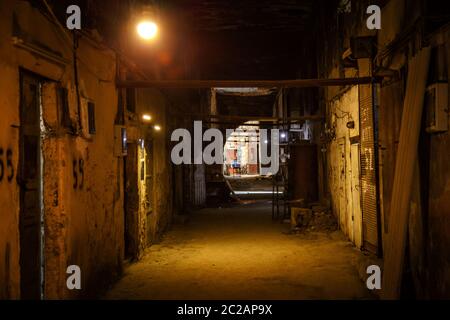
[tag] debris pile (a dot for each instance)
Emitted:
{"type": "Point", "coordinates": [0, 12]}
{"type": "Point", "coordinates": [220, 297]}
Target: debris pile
{"type": "Point", "coordinates": [313, 218]}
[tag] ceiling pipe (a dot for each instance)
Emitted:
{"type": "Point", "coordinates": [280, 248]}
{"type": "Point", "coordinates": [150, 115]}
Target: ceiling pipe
{"type": "Point", "coordinates": [199, 84]}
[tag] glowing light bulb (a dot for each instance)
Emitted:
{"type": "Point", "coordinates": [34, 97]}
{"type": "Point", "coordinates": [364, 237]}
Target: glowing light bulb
{"type": "Point", "coordinates": [147, 30]}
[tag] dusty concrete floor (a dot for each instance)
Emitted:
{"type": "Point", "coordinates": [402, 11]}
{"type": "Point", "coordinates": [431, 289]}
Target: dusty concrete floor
{"type": "Point", "coordinates": [240, 253]}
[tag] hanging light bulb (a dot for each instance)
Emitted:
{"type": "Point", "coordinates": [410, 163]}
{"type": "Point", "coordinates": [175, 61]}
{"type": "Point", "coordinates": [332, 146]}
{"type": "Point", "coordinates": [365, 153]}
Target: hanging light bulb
{"type": "Point", "coordinates": [147, 27]}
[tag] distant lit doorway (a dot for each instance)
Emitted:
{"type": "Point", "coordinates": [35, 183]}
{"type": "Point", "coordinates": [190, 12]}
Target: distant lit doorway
{"type": "Point", "coordinates": [242, 166]}
{"type": "Point", "coordinates": [241, 152]}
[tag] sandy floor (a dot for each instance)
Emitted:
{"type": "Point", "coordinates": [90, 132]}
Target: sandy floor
{"type": "Point", "coordinates": [239, 253]}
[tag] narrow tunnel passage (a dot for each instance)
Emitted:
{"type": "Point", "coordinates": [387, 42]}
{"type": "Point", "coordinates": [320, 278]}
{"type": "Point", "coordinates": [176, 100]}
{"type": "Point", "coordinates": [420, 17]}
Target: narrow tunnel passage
{"type": "Point", "coordinates": [252, 149]}
{"type": "Point", "coordinates": [239, 252]}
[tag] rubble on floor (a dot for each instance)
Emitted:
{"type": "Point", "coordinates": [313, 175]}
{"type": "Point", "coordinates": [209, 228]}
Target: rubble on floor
{"type": "Point", "coordinates": [315, 217]}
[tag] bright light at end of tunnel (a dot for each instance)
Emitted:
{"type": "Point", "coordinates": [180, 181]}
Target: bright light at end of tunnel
{"type": "Point", "coordinates": [147, 30]}
{"type": "Point", "coordinates": [157, 127]}
{"type": "Point", "coordinates": [283, 135]}
{"type": "Point", "coordinates": [146, 117]}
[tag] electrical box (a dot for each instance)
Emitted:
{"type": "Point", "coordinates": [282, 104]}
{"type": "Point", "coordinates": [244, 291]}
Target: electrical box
{"type": "Point", "coordinates": [436, 104]}
{"type": "Point", "coordinates": [120, 141]}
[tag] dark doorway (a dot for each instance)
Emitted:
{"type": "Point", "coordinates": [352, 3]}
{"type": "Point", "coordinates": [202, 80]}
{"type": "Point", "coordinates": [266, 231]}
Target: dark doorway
{"type": "Point", "coordinates": [31, 279]}
{"type": "Point", "coordinates": [131, 202]}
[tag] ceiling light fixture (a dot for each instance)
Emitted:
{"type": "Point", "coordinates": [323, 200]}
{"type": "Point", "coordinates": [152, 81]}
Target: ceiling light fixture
{"type": "Point", "coordinates": [147, 29]}
{"type": "Point", "coordinates": [146, 117]}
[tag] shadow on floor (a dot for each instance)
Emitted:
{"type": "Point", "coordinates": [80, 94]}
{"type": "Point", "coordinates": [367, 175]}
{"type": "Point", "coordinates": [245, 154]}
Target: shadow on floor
{"type": "Point", "coordinates": [240, 253]}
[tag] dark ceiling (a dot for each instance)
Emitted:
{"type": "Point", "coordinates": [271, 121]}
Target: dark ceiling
{"type": "Point", "coordinates": [219, 15]}
{"type": "Point", "coordinates": [245, 39]}
{"type": "Point", "coordinates": [220, 39]}
{"type": "Point", "coordinates": [254, 106]}
{"type": "Point", "coordinates": [213, 39]}
{"type": "Point", "coordinates": [210, 39]}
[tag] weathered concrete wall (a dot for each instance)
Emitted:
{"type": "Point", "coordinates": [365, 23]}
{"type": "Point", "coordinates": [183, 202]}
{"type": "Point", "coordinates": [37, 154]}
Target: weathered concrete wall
{"type": "Point", "coordinates": [159, 216]}
{"type": "Point", "coordinates": [438, 255]}
{"type": "Point", "coordinates": [9, 140]}
{"type": "Point", "coordinates": [427, 265]}
{"type": "Point", "coordinates": [343, 180]}
{"type": "Point", "coordinates": [341, 105]}
{"type": "Point", "coordinates": [83, 218]}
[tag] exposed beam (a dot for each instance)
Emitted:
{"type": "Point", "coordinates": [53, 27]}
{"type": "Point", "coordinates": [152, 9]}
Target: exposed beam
{"type": "Point", "coordinates": [201, 116]}
{"type": "Point", "coordinates": [198, 84]}
{"type": "Point", "coordinates": [240, 124]}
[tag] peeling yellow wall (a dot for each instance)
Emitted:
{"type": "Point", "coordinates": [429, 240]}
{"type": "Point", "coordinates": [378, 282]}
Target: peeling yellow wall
{"type": "Point", "coordinates": [159, 213]}
{"type": "Point", "coordinates": [9, 139]}
{"type": "Point", "coordinates": [344, 102]}
{"type": "Point", "coordinates": [427, 260]}
{"type": "Point", "coordinates": [344, 108]}
{"type": "Point", "coordinates": [83, 222]}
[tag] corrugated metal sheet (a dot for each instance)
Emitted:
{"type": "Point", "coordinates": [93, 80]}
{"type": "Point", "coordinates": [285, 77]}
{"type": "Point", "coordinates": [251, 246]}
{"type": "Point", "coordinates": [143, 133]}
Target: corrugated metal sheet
{"type": "Point", "coordinates": [368, 169]}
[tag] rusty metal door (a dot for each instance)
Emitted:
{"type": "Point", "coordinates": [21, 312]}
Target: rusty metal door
{"type": "Point", "coordinates": [30, 219]}
{"type": "Point", "coordinates": [356, 195]}
{"type": "Point", "coordinates": [369, 200]}
{"type": "Point", "coordinates": [131, 202]}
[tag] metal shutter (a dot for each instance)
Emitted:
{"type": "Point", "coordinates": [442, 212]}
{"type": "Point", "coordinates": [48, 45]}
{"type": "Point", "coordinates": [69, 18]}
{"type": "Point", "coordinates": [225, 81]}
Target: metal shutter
{"type": "Point", "coordinates": [368, 169]}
